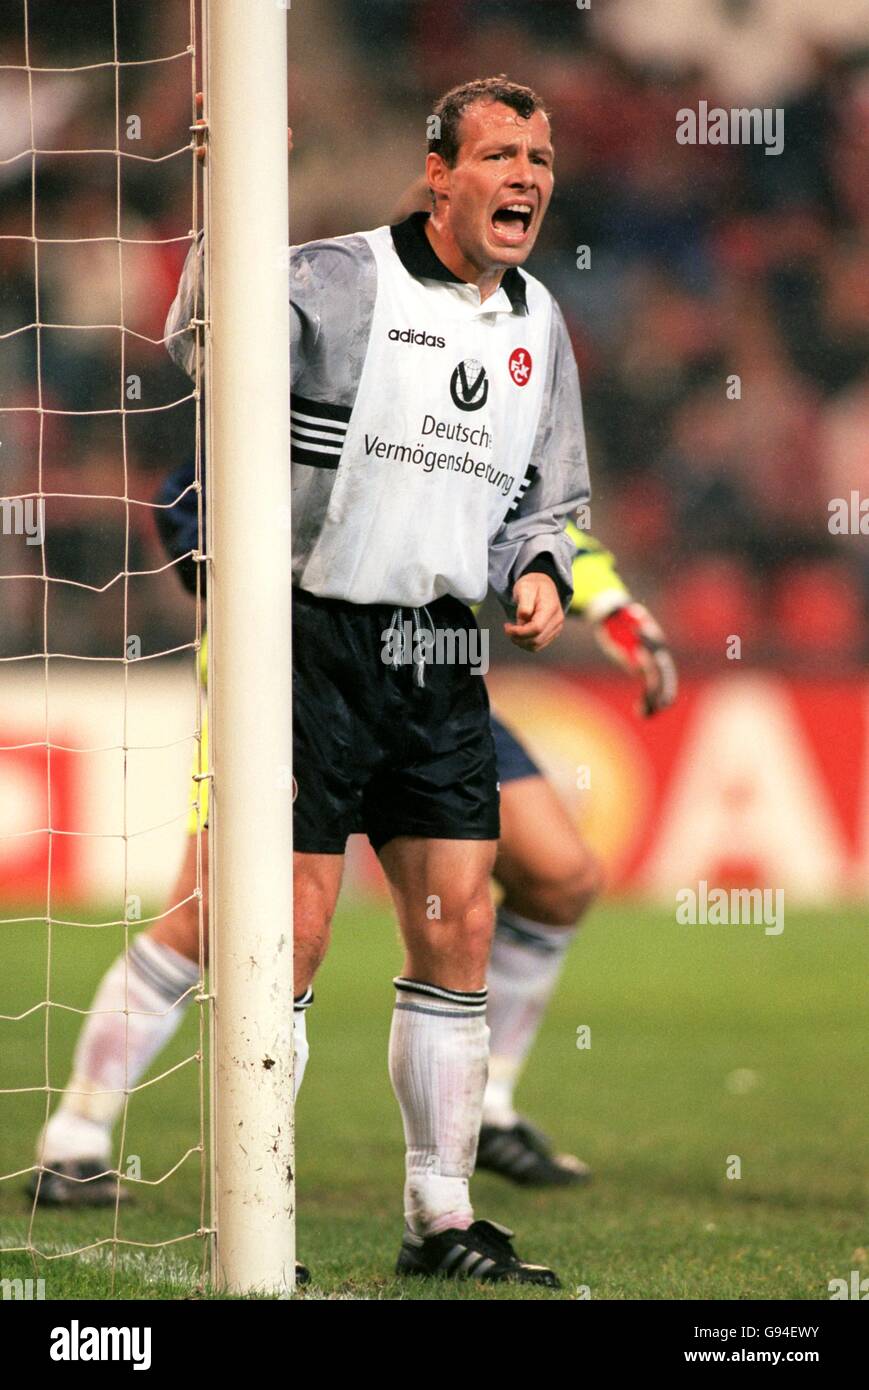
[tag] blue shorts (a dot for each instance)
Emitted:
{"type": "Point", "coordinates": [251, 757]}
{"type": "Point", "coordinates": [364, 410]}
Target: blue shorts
{"type": "Point", "coordinates": [512, 759]}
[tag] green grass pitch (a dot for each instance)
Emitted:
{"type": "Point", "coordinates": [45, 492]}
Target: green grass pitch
{"type": "Point", "coordinates": [653, 1104]}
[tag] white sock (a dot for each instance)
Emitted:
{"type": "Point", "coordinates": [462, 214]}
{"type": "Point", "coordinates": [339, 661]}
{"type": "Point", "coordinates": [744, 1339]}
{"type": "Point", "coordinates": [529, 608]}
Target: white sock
{"type": "Point", "coordinates": [437, 1063]}
{"type": "Point", "coordinates": [524, 966]}
{"type": "Point", "coordinates": [157, 977]}
{"type": "Point", "coordinates": [154, 982]}
{"type": "Point", "coordinates": [300, 1037]}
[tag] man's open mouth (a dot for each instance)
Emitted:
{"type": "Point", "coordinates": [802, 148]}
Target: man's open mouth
{"type": "Point", "coordinates": [512, 222]}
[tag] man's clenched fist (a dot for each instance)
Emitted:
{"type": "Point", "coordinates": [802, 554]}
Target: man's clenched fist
{"type": "Point", "coordinates": [539, 615]}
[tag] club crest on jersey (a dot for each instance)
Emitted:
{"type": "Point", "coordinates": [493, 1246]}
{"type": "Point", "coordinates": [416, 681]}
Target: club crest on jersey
{"type": "Point", "coordinates": [469, 385]}
{"type": "Point", "coordinates": [519, 366]}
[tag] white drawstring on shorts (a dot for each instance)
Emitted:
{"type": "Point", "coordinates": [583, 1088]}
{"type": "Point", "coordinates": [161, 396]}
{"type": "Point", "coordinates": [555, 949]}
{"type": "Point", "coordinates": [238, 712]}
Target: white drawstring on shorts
{"type": "Point", "coordinates": [400, 654]}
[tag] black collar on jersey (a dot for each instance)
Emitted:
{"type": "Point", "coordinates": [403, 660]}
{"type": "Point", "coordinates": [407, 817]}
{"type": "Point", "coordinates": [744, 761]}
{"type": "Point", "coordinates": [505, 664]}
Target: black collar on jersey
{"type": "Point", "coordinates": [419, 257]}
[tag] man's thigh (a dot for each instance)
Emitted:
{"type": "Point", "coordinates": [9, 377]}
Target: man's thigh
{"type": "Point", "coordinates": [538, 837]}
{"type": "Point", "coordinates": [316, 885]}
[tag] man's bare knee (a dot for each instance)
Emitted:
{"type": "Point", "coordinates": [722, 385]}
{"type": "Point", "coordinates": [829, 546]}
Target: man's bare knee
{"type": "Point", "coordinates": [467, 925]}
{"type": "Point", "coordinates": [452, 949]}
{"type": "Point", "coordinates": [475, 925]}
{"type": "Point", "coordinates": [562, 898]}
{"type": "Point", "coordinates": [582, 886]}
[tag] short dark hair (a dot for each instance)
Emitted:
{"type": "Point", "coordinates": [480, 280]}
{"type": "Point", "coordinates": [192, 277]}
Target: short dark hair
{"type": "Point", "coordinates": [450, 108]}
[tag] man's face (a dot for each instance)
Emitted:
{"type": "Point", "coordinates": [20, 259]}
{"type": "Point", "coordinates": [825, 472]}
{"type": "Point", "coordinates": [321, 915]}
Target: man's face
{"type": "Point", "coordinates": [496, 195]}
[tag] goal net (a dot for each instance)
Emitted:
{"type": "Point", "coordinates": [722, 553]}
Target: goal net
{"type": "Point", "coordinates": [102, 841]}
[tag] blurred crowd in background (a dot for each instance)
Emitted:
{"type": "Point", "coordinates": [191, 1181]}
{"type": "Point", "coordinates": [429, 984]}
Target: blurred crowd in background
{"type": "Point", "coordinates": [707, 263]}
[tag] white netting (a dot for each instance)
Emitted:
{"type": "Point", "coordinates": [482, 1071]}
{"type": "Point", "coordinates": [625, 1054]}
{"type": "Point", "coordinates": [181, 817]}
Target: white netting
{"type": "Point", "coordinates": [98, 653]}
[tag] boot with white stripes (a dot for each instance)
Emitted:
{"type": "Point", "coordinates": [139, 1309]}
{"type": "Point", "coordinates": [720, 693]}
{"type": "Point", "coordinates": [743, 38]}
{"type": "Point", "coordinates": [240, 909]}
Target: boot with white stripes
{"type": "Point", "coordinates": [522, 1153]}
{"type": "Point", "coordinates": [484, 1251]}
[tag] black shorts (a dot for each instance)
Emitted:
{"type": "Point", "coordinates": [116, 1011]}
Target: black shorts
{"type": "Point", "coordinates": [375, 751]}
{"type": "Point", "coordinates": [513, 760]}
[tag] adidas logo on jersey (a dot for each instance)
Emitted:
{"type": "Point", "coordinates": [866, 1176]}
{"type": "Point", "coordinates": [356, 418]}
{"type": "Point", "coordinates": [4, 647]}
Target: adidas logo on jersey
{"type": "Point", "coordinates": [416, 335]}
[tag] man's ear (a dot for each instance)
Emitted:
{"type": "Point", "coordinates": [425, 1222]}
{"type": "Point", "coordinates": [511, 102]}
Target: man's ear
{"type": "Point", "coordinates": [437, 171]}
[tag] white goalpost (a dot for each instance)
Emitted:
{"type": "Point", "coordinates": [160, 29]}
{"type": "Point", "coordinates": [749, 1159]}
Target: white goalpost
{"type": "Point", "coordinates": [248, 544]}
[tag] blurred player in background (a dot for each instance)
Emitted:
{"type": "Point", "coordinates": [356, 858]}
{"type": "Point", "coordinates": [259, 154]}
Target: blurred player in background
{"type": "Point", "coordinates": [550, 877]}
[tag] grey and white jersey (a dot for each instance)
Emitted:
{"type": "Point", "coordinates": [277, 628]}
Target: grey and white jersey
{"type": "Point", "coordinates": [437, 440]}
